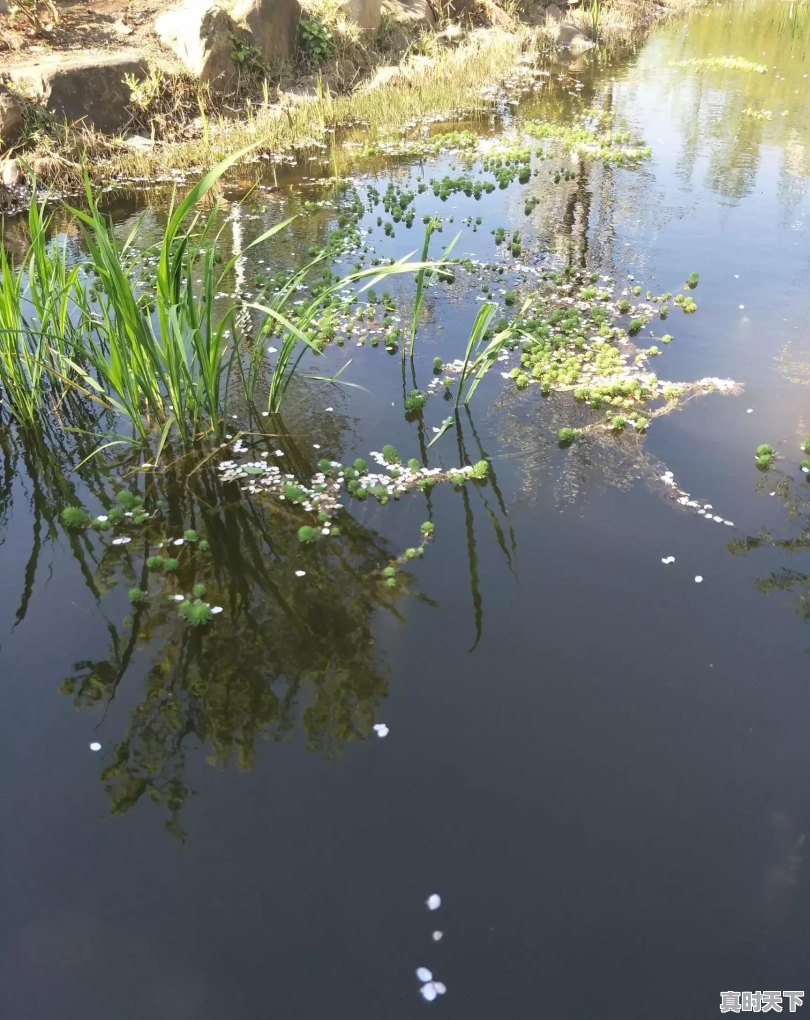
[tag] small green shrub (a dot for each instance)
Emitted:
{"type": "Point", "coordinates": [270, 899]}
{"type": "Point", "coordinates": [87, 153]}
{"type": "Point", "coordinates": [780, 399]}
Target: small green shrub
{"type": "Point", "coordinates": [315, 40]}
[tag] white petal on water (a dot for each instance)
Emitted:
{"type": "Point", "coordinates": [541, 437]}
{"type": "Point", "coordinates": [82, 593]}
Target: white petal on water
{"type": "Point", "coordinates": [300, 573]}
{"type": "Point", "coordinates": [424, 974]}
{"type": "Point", "coordinates": [750, 410]}
{"type": "Point", "coordinates": [381, 729]}
{"type": "Point", "coordinates": [433, 902]}
{"type": "Point", "coordinates": [216, 609]}
{"type": "Point", "coordinates": [428, 991]}
{"type": "Point", "coordinates": [440, 987]}
{"type": "Point", "coordinates": [438, 936]}
{"type": "Point", "coordinates": [123, 540]}
{"type": "Point", "coordinates": [95, 746]}
{"type": "Point", "coordinates": [698, 579]}
{"type": "Point", "coordinates": [102, 518]}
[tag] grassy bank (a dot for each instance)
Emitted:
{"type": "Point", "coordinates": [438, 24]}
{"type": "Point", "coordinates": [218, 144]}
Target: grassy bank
{"type": "Point", "coordinates": [180, 125]}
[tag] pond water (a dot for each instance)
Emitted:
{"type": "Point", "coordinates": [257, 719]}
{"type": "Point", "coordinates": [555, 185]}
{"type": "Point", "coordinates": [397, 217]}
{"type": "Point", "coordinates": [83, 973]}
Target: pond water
{"type": "Point", "coordinates": [597, 761]}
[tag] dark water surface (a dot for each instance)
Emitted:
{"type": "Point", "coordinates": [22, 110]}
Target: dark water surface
{"type": "Point", "coordinates": [602, 766]}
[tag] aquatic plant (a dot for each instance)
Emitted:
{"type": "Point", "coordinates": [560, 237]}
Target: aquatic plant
{"type": "Point", "coordinates": [75, 517]}
{"type": "Point", "coordinates": [723, 63]}
{"type": "Point", "coordinates": [566, 436]}
{"type": "Point", "coordinates": [764, 456]}
{"type": "Point", "coordinates": [196, 613]}
{"type": "Point", "coordinates": [414, 401]}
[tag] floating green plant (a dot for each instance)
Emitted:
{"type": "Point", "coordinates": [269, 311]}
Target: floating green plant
{"type": "Point", "coordinates": [196, 613]}
{"type": "Point", "coordinates": [723, 63]}
{"type": "Point", "coordinates": [75, 517]}
{"type": "Point", "coordinates": [566, 436]}
{"type": "Point", "coordinates": [764, 456]}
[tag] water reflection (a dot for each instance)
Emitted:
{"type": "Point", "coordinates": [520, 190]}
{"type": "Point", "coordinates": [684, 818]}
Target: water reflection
{"type": "Point", "coordinates": [732, 119]}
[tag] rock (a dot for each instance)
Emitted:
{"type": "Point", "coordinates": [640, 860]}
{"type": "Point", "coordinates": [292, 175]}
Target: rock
{"type": "Point", "coordinates": [451, 34]}
{"type": "Point", "coordinates": [553, 13]}
{"type": "Point", "coordinates": [569, 37]}
{"type": "Point", "coordinates": [367, 14]}
{"type": "Point", "coordinates": [417, 13]}
{"type": "Point", "coordinates": [383, 76]}
{"type": "Point", "coordinates": [11, 117]}
{"type": "Point", "coordinates": [89, 88]}
{"type": "Point", "coordinates": [201, 35]}
{"type": "Point", "coordinates": [479, 12]}
{"type": "Point", "coordinates": [10, 173]}
{"type": "Point", "coordinates": [273, 25]}
{"type": "Point", "coordinates": [341, 72]}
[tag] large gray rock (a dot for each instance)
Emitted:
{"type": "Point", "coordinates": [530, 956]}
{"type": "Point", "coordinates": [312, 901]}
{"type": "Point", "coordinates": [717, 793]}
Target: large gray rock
{"type": "Point", "coordinates": [88, 88]}
{"type": "Point", "coordinates": [272, 24]}
{"type": "Point", "coordinates": [367, 14]}
{"type": "Point", "coordinates": [416, 13]}
{"type": "Point", "coordinates": [569, 37]}
{"type": "Point", "coordinates": [10, 173]}
{"type": "Point", "coordinates": [201, 35]}
{"type": "Point", "coordinates": [11, 118]}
